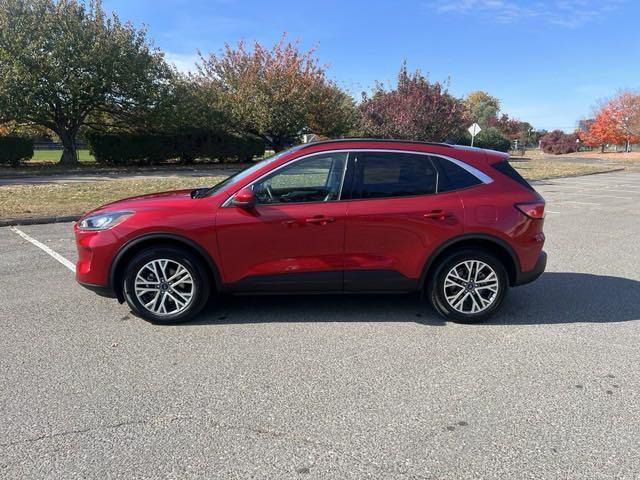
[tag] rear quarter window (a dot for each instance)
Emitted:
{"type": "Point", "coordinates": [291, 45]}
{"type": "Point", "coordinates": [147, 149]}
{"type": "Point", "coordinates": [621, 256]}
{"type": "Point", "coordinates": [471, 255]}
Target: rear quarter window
{"type": "Point", "coordinates": [453, 177]}
{"type": "Point", "coordinates": [505, 168]}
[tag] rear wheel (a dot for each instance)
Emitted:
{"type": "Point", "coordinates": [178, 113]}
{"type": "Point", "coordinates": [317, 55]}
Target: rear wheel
{"type": "Point", "coordinates": [165, 285]}
{"type": "Point", "coordinates": [468, 286]}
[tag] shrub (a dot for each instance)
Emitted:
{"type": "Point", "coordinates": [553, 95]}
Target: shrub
{"type": "Point", "coordinates": [558, 142]}
{"type": "Point", "coordinates": [14, 150]}
{"type": "Point", "coordinates": [490, 138]}
{"type": "Point", "coordinates": [122, 149]}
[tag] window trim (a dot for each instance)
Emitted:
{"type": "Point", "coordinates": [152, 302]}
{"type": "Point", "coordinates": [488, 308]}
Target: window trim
{"type": "Point", "coordinates": [250, 185]}
{"type": "Point", "coordinates": [483, 177]}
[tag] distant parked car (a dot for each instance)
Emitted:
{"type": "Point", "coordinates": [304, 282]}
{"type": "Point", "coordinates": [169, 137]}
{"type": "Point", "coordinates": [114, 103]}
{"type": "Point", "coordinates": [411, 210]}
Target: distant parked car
{"type": "Point", "coordinates": [344, 216]}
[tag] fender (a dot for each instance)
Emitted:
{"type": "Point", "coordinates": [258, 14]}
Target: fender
{"type": "Point", "coordinates": [213, 268]}
{"type": "Point", "coordinates": [466, 237]}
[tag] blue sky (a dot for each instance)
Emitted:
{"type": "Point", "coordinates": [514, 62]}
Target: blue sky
{"type": "Point", "coordinates": [549, 62]}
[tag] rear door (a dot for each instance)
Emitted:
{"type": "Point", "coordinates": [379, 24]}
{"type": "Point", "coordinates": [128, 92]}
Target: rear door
{"type": "Point", "coordinates": [395, 219]}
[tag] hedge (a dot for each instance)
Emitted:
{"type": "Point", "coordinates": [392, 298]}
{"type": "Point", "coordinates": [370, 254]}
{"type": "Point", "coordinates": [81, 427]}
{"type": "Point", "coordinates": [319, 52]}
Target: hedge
{"type": "Point", "coordinates": [490, 138]}
{"type": "Point", "coordinates": [14, 150]}
{"type": "Point", "coordinates": [121, 149]}
{"type": "Point", "coordinates": [559, 143]}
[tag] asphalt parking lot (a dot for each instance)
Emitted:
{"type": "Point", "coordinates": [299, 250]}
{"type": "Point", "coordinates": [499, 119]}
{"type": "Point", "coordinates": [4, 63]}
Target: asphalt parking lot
{"type": "Point", "coordinates": [334, 387]}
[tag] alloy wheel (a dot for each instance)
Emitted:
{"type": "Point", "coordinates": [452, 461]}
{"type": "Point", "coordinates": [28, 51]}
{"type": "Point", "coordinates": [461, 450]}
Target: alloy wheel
{"type": "Point", "coordinates": [471, 287]}
{"type": "Point", "coordinates": [164, 287]}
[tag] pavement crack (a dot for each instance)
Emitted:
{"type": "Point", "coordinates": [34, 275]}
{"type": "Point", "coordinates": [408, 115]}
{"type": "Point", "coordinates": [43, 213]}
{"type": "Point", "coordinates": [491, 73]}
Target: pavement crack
{"type": "Point", "coordinates": [76, 431]}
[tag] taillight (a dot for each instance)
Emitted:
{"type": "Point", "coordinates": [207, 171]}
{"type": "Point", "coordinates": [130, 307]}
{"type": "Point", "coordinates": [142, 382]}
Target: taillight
{"type": "Point", "coordinates": [532, 209]}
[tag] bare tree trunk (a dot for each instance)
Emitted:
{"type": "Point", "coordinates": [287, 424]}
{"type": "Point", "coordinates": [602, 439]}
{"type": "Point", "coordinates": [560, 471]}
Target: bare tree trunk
{"type": "Point", "coordinates": [69, 151]}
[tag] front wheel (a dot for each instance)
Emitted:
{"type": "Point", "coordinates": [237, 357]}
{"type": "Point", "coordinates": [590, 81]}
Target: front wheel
{"type": "Point", "coordinates": [165, 285]}
{"type": "Point", "coordinates": [468, 286]}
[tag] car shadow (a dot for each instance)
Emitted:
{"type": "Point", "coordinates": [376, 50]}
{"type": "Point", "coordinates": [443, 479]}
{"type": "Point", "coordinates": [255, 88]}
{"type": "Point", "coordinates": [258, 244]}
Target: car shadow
{"type": "Point", "coordinates": [555, 298]}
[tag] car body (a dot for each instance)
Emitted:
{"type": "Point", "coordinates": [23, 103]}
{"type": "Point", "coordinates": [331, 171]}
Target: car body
{"type": "Point", "coordinates": [342, 216]}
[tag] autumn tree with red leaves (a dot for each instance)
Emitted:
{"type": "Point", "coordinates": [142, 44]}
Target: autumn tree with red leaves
{"type": "Point", "coordinates": [416, 109]}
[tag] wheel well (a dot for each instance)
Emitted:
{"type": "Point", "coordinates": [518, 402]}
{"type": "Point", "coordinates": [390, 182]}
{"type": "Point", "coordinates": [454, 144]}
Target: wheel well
{"type": "Point", "coordinates": [500, 252]}
{"type": "Point", "coordinates": [122, 259]}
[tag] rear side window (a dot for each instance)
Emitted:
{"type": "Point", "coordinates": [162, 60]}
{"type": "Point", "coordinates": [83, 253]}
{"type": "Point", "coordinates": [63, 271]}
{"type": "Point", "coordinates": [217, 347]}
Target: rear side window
{"type": "Point", "coordinates": [453, 177]}
{"type": "Point", "coordinates": [505, 168]}
{"type": "Point", "coordinates": [389, 174]}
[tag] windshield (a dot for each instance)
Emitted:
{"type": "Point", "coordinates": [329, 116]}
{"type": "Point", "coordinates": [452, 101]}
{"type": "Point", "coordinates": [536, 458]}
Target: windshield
{"type": "Point", "coordinates": [242, 174]}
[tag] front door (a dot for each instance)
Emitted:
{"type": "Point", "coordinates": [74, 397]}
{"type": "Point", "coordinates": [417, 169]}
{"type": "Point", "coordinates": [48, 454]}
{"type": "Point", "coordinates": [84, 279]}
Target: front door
{"type": "Point", "coordinates": [293, 239]}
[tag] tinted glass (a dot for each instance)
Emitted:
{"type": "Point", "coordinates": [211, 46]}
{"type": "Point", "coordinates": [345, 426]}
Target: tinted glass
{"type": "Point", "coordinates": [454, 177]}
{"type": "Point", "coordinates": [388, 174]}
{"type": "Point", "coordinates": [313, 179]}
{"type": "Point", "coordinates": [506, 168]}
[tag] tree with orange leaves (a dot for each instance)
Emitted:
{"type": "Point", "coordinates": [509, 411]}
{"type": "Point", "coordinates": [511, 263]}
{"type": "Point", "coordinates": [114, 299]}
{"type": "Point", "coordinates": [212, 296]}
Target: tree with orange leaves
{"type": "Point", "coordinates": [617, 123]}
{"type": "Point", "coordinates": [625, 112]}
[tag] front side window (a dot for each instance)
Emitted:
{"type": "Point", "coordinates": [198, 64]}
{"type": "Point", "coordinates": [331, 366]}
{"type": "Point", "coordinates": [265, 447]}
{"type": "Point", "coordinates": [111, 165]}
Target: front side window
{"type": "Point", "coordinates": [313, 179]}
{"type": "Point", "coordinates": [390, 174]}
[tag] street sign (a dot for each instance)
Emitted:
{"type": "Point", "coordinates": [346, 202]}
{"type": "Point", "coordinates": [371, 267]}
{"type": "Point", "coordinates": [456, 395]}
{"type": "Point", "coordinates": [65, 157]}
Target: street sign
{"type": "Point", "coordinates": [474, 130]}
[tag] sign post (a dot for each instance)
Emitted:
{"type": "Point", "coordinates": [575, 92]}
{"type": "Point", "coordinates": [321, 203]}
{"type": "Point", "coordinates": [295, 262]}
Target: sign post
{"type": "Point", "coordinates": [474, 130]}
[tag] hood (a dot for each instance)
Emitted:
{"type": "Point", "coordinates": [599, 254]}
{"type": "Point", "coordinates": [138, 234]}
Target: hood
{"type": "Point", "coordinates": [175, 198]}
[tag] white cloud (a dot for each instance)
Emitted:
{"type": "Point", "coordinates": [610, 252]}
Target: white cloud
{"type": "Point", "coordinates": [184, 62]}
{"type": "Point", "coordinates": [564, 13]}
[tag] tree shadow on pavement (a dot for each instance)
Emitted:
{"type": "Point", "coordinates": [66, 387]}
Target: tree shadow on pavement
{"type": "Point", "coordinates": [554, 298]}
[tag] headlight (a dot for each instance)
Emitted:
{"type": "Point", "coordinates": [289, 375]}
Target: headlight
{"type": "Point", "coordinates": [102, 221]}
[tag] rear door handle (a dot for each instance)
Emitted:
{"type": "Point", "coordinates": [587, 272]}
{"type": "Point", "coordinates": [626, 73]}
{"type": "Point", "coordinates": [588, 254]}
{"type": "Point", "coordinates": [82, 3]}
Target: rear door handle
{"type": "Point", "coordinates": [437, 214]}
{"type": "Point", "coordinates": [320, 220]}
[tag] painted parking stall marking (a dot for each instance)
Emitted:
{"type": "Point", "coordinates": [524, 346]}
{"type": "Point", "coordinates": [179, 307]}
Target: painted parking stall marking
{"type": "Point", "coordinates": [67, 263]}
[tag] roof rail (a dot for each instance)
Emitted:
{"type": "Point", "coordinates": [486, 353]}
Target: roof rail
{"type": "Point", "coordinates": [381, 140]}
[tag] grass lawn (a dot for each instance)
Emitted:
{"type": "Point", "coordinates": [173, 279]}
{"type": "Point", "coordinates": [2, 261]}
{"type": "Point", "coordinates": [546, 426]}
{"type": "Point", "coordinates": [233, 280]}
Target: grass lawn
{"type": "Point", "coordinates": [37, 200]}
{"type": "Point", "coordinates": [544, 168]}
{"type": "Point", "coordinates": [53, 156]}
{"type": "Point", "coordinates": [57, 199]}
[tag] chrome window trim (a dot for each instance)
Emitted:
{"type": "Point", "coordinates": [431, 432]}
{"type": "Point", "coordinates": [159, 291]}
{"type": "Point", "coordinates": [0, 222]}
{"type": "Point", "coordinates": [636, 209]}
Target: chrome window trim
{"type": "Point", "coordinates": [483, 177]}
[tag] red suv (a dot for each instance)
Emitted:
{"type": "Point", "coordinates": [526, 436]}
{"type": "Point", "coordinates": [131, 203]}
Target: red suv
{"type": "Point", "coordinates": [342, 216]}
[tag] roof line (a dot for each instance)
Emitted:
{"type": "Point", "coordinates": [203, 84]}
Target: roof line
{"type": "Point", "coordinates": [381, 140]}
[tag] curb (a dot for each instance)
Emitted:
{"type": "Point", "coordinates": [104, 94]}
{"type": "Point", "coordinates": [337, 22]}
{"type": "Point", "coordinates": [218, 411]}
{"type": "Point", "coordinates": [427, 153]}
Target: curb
{"type": "Point", "coordinates": [38, 220]}
{"type": "Point", "coordinates": [622, 169]}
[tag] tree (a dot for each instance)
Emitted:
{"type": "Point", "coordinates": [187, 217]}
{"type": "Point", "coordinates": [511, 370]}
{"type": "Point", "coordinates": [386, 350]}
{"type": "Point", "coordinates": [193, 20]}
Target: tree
{"type": "Point", "coordinates": [557, 142]}
{"type": "Point", "coordinates": [482, 107]}
{"type": "Point", "coordinates": [62, 61]}
{"type": "Point", "coordinates": [512, 128]}
{"type": "Point", "coordinates": [276, 94]}
{"type": "Point", "coordinates": [179, 104]}
{"type": "Point", "coordinates": [490, 138]}
{"type": "Point", "coordinates": [625, 111]}
{"type": "Point", "coordinates": [415, 110]}
{"type": "Point", "coordinates": [617, 122]}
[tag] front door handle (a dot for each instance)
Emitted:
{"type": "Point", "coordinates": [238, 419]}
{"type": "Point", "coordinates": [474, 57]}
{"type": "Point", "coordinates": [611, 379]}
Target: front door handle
{"type": "Point", "coordinates": [320, 220]}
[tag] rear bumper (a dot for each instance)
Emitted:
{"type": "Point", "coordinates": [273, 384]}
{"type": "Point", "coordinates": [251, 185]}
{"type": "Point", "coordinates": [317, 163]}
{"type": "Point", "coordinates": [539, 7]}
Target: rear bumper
{"type": "Point", "coordinates": [523, 278]}
{"type": "Point", "coordinates": [102, 290]}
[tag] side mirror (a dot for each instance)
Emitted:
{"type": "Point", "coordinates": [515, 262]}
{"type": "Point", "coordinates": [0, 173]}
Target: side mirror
{"type": "Point", "coordinates": [245, 198]}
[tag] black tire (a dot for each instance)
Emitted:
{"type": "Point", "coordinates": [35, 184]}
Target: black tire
{"type": "Point", "coordinates": [200, 292]}
{"type": "Point", "coordinates": [436, 286]}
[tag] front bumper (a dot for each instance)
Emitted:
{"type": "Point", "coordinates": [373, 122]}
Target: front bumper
{"type": "Point", "coordinates": [522, 278]}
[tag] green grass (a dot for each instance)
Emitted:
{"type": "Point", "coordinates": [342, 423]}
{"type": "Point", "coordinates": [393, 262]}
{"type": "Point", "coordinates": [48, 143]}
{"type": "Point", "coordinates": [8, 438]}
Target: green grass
{"type": "Point", "coordinates": [53, 156]}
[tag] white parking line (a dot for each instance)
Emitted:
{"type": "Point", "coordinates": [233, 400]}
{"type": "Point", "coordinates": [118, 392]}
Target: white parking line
{"type": "Point", "coordinates": [579, 203]}
{"type": "Point", "coordinates": [70, 265]}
